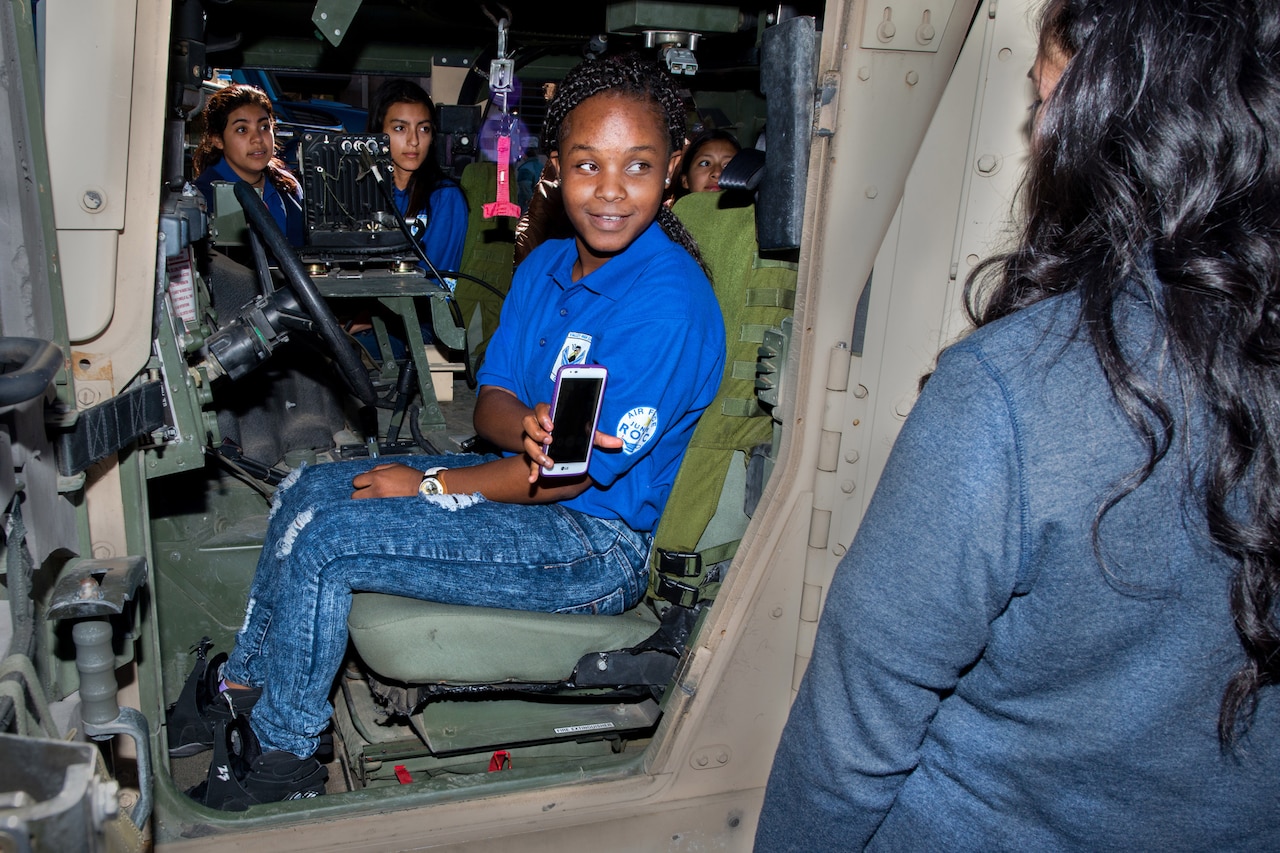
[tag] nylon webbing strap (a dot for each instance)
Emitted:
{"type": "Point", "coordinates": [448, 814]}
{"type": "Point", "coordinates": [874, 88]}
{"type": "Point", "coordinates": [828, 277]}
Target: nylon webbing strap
{"type": "Point", "coordinates": [736, 407]}
{"type": "Point", "coordinates": [761, 262]}
{"type": "Point", "coordinates": [680, 577]}
{"type": "Point", "coordinates": [109, 427]}
{"type": "Point", "coordinates": [770, 297]}
{"type": "Point", "coordinates": [752, 332]}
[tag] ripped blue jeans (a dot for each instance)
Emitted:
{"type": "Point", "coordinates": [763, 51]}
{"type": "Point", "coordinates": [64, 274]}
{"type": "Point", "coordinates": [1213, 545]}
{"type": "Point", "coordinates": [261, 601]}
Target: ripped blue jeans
{"type": "Point", "coordinates": [322, 546]}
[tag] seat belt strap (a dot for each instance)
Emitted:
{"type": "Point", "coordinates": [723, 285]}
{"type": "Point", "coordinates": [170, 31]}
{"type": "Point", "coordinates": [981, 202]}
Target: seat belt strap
{"type": "Point", "coordinates": [680, 577]}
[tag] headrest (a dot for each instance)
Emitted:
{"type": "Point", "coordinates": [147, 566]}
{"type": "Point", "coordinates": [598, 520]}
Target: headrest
{"type": "Point", "coordinates": [744, 171]}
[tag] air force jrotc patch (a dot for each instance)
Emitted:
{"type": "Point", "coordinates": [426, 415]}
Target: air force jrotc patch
{"type": "Point", "coordinates": [637, 427]}
{"type": "Point", "coordinates": [574, 350]}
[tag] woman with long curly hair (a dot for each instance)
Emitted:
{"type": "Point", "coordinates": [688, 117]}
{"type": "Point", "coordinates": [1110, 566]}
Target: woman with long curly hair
{"type": "Point", "coordinates": [239, 144]}
{"type": "Point", "coordinates": [1056, 628]}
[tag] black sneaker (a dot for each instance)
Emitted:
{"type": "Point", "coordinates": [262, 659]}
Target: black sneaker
{"type": "Point", "coordinates": [242, 775]}
{"type": "Point", "coordinates": [201, 706]}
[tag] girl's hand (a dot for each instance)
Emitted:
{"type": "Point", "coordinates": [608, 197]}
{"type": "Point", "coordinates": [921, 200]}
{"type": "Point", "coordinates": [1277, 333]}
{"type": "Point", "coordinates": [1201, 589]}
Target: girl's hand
{"type": "Point", "coordinates": [391, 480]}
{"type": "Point", "coordinates": [537, 432]}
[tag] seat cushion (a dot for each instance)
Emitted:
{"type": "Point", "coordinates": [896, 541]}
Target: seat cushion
{"type": "Point", "coordinates": [422, 642]}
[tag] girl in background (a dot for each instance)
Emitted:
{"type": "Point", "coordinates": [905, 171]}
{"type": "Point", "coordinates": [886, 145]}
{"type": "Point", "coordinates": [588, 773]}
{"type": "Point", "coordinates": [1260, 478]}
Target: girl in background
{"type": "Point", "coordinates": [404, 111]}
{"type": "Point", "coordinates": [704, 160]}
{"type": "Point", "coordinates": [239, 144]}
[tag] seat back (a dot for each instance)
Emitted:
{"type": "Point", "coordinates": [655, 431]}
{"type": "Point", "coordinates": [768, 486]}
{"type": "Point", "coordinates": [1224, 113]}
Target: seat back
{"type": "Point", "coordinates": [705, 513]}
{"type": "Point", "coordinates": [488, 254]}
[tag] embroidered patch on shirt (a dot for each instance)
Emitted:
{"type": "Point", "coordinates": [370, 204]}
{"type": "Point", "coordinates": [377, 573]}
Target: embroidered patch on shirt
{"type": "Point", "coordinates": [574, 350]}
{"type": "Point", "coordinates": [637, 427]}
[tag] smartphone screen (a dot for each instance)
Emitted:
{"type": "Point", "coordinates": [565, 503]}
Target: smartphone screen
{"type": "Point", "coordinates": [579, 390]}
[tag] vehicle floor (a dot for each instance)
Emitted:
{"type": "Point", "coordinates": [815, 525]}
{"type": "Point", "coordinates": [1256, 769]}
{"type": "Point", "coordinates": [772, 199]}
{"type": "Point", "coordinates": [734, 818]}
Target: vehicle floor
{"type": "Point", "coordinates": [192, 770]}
{"type": "Point", "coordinates": [372, 751]}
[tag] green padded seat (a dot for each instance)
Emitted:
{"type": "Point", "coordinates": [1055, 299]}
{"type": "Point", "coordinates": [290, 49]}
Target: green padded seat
{"type": "Point", "coordinates": [422, 642]}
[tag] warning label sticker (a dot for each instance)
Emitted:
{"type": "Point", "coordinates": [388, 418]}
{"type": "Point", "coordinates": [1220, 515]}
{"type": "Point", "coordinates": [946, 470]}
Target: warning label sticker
{"type": "Point", "coordinates": [590, 727]}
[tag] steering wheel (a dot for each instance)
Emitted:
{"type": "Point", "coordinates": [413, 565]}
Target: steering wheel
{"type": "Point", "coordinates": [261, 221]}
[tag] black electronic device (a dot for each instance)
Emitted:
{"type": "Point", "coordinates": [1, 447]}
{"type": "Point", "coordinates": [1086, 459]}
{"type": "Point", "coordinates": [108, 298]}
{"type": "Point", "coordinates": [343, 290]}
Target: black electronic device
{"type": "Point", "coordinates": [346, 190]}
{"type": "Point", "coordinates": [458, 132]}
{"type": "Point", "coordinates": [575, 411]}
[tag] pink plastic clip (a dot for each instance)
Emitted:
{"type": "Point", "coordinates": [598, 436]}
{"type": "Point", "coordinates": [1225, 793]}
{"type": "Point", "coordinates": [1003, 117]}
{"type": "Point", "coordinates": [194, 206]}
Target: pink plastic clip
{"type": "Point", "coordinates": [503, 206]}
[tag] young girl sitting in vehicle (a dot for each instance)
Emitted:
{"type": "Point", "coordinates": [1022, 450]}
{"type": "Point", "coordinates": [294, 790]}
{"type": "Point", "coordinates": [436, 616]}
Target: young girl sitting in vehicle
{"type": "Point", "coordinates": [404, 111]}
{"type": "Point", "coordinates": [627, 291]}
{"type": "Point", "coordinates": [239, 144]}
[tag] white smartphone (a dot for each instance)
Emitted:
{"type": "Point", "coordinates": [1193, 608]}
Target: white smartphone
{"type": "Point", "coordinates": [575, 409]}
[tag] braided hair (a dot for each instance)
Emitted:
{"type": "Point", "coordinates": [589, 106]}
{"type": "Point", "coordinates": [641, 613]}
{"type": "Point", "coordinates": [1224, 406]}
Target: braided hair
{"type": "Point", "coordinates": [220, 107]}
{"type": "Point", "coordinates": [631, 76]}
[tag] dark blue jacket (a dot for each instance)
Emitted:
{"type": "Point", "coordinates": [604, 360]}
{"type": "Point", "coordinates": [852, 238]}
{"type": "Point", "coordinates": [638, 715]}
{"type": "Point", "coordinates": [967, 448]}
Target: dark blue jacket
{"type": "Point", "coordinates": [286, 210]}
{"type": "Point", "coordinates": [980, 681]}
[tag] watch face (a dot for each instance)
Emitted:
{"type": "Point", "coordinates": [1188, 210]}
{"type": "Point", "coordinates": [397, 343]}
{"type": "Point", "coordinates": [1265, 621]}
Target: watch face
{"type": "Point", "coordinates": [430, 485]}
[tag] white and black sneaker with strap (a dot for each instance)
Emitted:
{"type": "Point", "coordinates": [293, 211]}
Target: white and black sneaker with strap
{"type": "Point", "coordinates": [242, 775]}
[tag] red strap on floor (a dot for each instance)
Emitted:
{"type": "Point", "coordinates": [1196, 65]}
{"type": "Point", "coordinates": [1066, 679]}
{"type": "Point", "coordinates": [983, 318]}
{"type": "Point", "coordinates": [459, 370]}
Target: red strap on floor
{"type": "Point", "coordinates": [402, 773]}
{"type": "Point", "coordinates": [501, 760]}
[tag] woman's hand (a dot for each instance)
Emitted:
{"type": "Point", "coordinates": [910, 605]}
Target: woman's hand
{"type": "Point", "coordinates": [391, 480]}
{"type": "Point", "coordinates": [537, 432]}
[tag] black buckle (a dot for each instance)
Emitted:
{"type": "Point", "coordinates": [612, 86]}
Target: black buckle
{"type": "Point", "coordinates": [681, 564]}
{"type": "Point", "coordinates": [680, 594]}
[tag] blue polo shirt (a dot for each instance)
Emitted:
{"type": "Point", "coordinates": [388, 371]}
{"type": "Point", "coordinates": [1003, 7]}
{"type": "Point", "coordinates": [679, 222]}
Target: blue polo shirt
{"type": "Point", "coordinates": [648, 315]}
{"type": "Point", "coordinates": [286, 210]}
{"type": "Point", "coordinates": [446, 224]}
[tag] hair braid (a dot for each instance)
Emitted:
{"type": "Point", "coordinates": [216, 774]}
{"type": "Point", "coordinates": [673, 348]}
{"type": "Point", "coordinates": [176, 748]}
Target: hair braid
{"type": "Point", "coordinates": [631, 76]}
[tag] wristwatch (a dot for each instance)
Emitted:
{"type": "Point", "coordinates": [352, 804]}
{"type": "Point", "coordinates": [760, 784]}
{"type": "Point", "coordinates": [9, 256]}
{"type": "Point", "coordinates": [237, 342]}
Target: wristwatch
{"type": "Point", "coordinates": [431, 483]}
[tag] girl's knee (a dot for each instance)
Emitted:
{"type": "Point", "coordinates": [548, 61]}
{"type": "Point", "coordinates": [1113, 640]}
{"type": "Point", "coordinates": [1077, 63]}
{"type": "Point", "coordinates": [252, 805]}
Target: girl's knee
{"type": "Point", "coordinates": [289, 537]}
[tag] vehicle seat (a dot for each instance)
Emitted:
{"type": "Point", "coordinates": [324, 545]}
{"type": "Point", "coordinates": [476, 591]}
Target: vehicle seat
{"type": "Point", "coordinates": [423, 643]}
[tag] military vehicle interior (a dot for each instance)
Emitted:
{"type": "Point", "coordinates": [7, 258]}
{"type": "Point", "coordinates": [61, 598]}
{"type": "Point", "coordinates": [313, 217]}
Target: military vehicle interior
{"type": "Point", "coordinates": [263, 376]}
{"type": "Point", "coordinates": [155, 384]}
